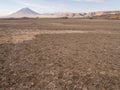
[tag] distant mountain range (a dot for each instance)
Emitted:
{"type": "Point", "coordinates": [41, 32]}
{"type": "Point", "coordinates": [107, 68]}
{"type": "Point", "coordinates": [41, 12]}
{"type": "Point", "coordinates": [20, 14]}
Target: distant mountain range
{"type": "Point", "coordinates": [28, 13]}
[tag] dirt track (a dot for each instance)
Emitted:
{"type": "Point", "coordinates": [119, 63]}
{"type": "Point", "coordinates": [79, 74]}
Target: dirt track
{"type": "Point", "coordinates": [60, 60]}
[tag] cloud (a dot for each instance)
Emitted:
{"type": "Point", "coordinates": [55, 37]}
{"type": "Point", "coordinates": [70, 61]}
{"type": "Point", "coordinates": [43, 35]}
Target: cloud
{"type": "Point", "coordinates": [89, 0]}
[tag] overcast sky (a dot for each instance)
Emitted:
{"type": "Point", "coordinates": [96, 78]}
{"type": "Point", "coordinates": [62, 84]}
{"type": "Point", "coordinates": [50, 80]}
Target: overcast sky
{"type": "Point", "coordinates": [51, 6]}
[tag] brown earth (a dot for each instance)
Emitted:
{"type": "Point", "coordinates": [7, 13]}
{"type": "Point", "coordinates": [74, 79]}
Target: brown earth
{"type": "Point", "coordinates": [110, 17]}
{"type": "Point", "coordinates": [59, 54]}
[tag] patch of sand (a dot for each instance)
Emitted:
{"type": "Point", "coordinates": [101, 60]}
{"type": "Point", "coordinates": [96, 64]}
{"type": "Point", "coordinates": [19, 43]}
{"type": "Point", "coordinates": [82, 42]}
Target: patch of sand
{"type": "Point", "coordinates": [19, 37]}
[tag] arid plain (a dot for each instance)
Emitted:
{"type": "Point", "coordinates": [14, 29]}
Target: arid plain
{"type": "Point", "coordinates": [59, 54]}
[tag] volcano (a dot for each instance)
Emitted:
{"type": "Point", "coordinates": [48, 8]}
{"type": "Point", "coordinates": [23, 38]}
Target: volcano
{"type": "Point", "coordinates": [25, 12]}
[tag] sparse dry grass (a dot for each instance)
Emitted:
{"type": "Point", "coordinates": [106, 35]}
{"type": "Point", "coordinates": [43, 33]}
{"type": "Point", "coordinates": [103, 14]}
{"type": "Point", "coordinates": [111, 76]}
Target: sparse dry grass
{"type": "Point", "coordinates": [69, 61]}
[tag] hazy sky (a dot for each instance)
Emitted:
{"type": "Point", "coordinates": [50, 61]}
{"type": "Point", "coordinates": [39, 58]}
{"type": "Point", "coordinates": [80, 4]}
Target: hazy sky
{"type": "Point", "coordinates": [51, 6]}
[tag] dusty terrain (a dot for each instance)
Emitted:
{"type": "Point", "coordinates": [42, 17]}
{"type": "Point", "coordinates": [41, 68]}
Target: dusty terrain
{"type": "Point", "coordinates": [59, 54]}
{"type": "Point", "coordinates": [110, 17]}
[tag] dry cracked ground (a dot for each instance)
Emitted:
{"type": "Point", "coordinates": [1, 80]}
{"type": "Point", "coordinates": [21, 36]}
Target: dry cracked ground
{"type": "Point", "coordinates": [59, 54]}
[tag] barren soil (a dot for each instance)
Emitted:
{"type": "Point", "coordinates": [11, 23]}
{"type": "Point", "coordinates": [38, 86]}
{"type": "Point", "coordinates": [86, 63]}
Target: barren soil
{"type": "Point", "coordinates": [59, 54]}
